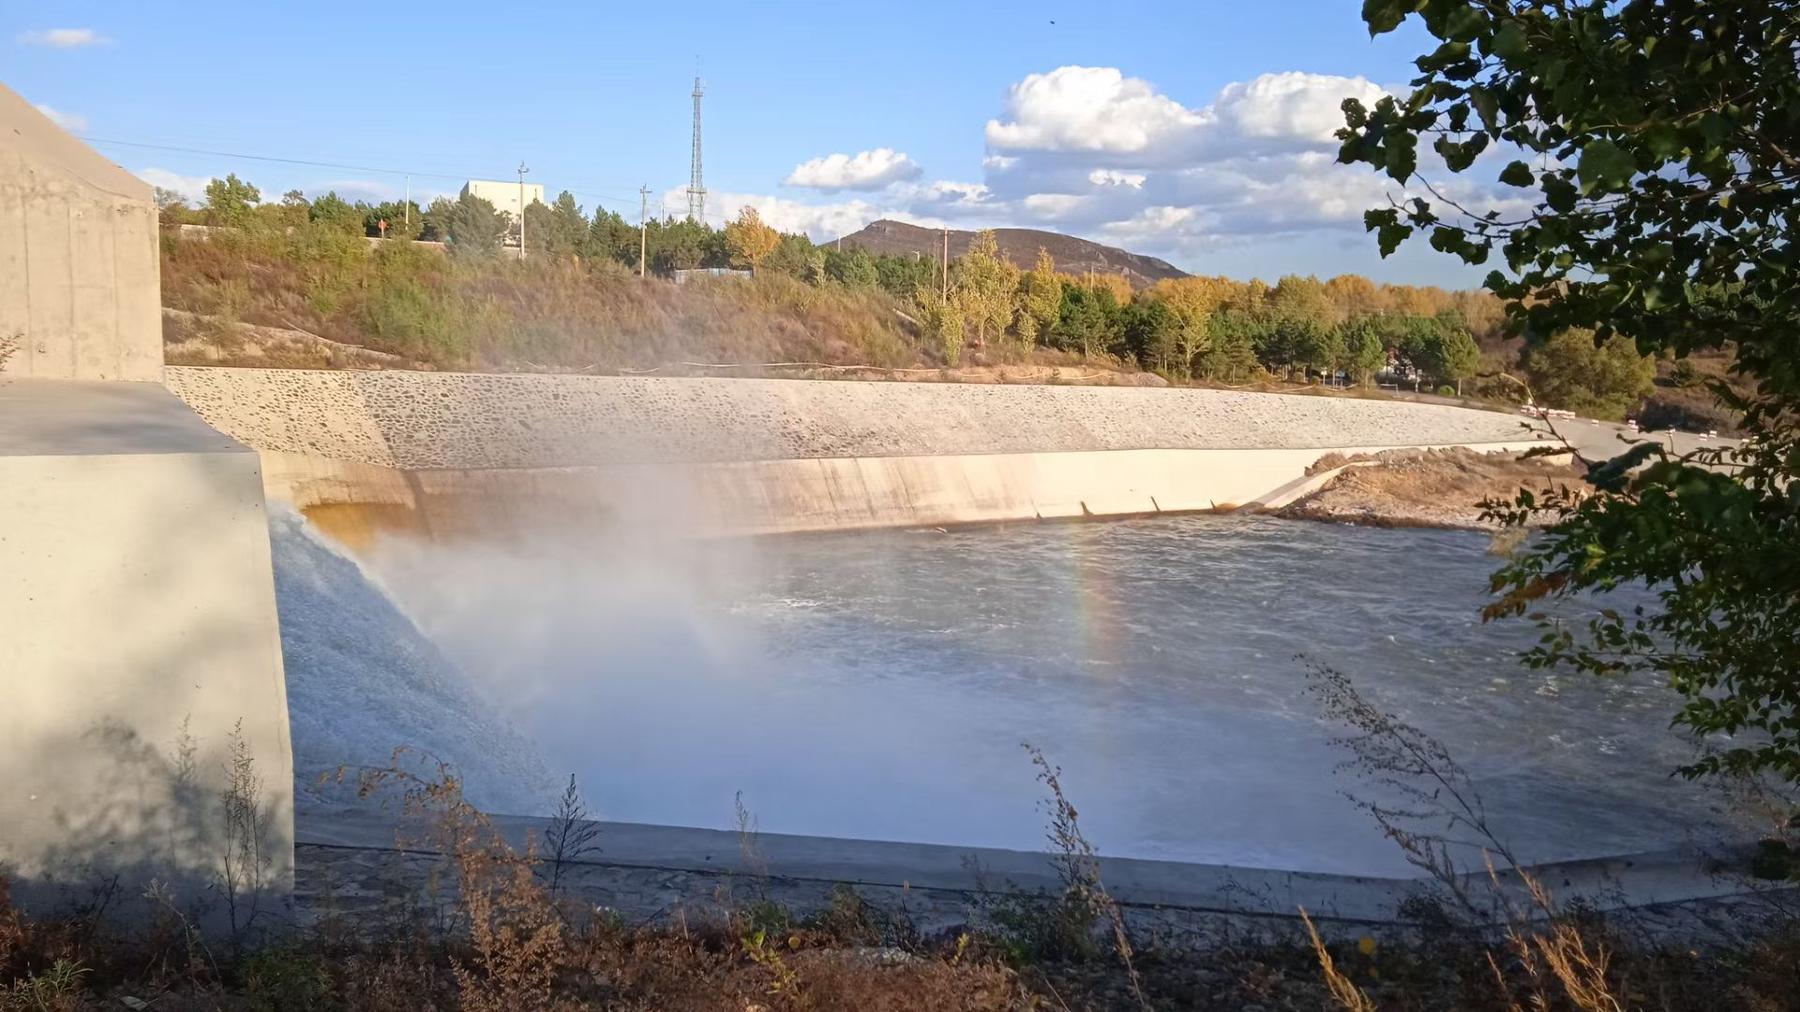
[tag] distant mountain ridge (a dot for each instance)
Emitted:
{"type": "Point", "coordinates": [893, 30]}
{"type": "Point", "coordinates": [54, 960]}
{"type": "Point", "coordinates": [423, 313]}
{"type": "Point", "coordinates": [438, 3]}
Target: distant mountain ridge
{"type": "Point", "coordinates": [1019, 245]}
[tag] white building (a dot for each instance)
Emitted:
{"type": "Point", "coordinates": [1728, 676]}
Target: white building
{"type": "Point", "coordinates": [504, 195]}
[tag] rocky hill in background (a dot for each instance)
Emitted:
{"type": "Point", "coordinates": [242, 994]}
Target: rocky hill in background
{"type": "Point", "coordinates": [1020, 245]}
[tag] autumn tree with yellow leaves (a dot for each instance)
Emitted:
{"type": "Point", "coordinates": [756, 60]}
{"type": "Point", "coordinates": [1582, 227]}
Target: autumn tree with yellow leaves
{"type": "Point", "coordinates": [749, 241]}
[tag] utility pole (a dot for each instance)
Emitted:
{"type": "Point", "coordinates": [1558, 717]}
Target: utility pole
{"type": "Point", "coordinates": [522, 171]}
{"type": "Point", "coordinates": [944, 265]}
{"type": "Point", "coordinates": [406, 209]}
{"type": "Point", "coordinates": [643, 216]}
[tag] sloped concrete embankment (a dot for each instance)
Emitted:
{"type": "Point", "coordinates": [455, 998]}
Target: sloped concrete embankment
{"type": "Point", "coordinates": [351, 864]}
{"type": "Point", "coordinates": [459, 453]}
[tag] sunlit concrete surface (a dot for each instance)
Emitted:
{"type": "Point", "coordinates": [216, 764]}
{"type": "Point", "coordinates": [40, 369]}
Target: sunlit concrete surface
{"type": "Point", "coordinates": [79, 271]}
{"type": "Point", "coordinates": [139, 605]}
{"type": "Point", "coordinates": [456, 454]}
{"type": "Point", "coordinates": [138, 630]}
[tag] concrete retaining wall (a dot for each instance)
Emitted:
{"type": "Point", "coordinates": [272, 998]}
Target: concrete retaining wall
{"type": "Point", "coordinates": [462, 453]}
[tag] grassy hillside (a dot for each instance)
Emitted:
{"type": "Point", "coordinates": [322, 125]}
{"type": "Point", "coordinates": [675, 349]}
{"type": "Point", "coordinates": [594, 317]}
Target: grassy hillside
{"type": "Point", "coordinates": [409, 300]}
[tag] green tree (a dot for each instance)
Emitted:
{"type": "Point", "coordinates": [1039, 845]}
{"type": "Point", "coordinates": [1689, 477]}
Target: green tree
{"type": "Point", "coordinates": [855, 268]}
{"type": "Point", "coordinates": [1088, 320]}
{"type": "Point", "coordinates": [1453, 355]}
{"type": "Point", "coordinates": [610, 235]}
{"type": "Point", "coordinates": [1365, 353]}
{"type": "Point", "coordinates": [472, 227]}
{"type": "Point", "coordinates": [904, 275]}
{"type": "Point", "coordinates": [334, 212]}
{"type": "Point", "coordinates": [798, 258]}
{"type": "Point", "coordinates": [1152, 333]}
{"type": "Point", "coordinates": [1300, 317]}
{"type": "Point", "coordinates": [1602, 380]}
{"type": "Point", "coordinates": [229, 201]}
{"type": "Point", "coordinates": [1232, 337]}
{"type": "Point", "coordinates": [396, 214]}
{"type": "Point", "coordinates": [293, 211]}
{"type": "Point", "coordinates": [1656, 144]}
{"type": "Point", "coordinates": [557, 229]}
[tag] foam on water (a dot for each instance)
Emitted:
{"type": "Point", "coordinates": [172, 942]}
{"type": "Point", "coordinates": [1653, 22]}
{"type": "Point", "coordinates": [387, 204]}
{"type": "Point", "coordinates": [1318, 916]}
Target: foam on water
{"type": "Point", "coordinates": [362, 681]}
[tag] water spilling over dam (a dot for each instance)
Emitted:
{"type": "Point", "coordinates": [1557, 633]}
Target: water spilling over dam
{"type": "Point", "coordinates": [877, 685]}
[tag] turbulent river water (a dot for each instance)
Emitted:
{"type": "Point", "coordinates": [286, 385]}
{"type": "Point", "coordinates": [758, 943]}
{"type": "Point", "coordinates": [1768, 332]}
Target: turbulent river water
{"type": "Point", "coordinates": [880, 684]}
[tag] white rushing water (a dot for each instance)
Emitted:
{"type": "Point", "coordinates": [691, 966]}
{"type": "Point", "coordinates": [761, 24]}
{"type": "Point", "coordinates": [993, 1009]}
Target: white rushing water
{"type": "Point", "coordinates": [879, 684]}
{"type": "Point", "coordinates": [362, 681]}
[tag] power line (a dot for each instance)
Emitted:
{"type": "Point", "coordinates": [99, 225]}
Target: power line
{"type": "Point", "coordinates": [273, 158]}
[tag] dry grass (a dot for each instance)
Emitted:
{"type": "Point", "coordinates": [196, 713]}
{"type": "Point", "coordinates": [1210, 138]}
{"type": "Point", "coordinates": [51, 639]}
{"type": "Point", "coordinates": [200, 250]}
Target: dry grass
{"type": "Point", "coordinates": [426, 309]}
{"type": "Point", "coordinates": [1508, 944]}
{"type": "Point", "coordinates": [512, 944]}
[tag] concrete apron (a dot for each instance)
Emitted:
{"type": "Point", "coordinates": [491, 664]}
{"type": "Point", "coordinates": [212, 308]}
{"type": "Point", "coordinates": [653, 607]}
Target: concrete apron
{"type": "Point", "coordinates": [358, 503]}
{"type": "Point", "coordinates": [646, 873]}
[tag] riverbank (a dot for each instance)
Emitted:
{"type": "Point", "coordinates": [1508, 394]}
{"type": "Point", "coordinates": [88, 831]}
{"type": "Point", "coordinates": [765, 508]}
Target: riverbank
{"type": "Point", "coordinates": [1442, 488]}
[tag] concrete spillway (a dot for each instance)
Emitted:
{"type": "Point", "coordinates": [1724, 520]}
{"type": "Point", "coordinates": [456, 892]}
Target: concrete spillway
{"type": "Point", "coordinates": [456, 452]}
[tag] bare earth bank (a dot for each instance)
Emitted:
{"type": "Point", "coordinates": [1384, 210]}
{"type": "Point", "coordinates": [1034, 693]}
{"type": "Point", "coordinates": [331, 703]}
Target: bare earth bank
{"type": "Point", "coordinates": [1427, 488]}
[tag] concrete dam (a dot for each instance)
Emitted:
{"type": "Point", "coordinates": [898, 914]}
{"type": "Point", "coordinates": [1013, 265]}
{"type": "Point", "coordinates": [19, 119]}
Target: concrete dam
{"type": "Point", "coordinates": [166, 624]}
{"type": "Point", "coordinates": [448, 453]}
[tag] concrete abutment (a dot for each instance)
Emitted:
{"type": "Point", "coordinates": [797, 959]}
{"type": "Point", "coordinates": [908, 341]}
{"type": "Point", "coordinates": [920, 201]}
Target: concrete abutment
{"type": "Point", "coordinates": [140, 648]}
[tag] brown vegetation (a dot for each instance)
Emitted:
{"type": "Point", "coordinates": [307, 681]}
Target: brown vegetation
{"type": "Point", "coordinates": [407, 301]}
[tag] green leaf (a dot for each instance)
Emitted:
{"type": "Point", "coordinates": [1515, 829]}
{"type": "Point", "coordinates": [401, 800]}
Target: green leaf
{"type": "Point", "coordinates": [1402, 156]}
{"type": "Point", "coordinates": [1663, 140]}
{"type": "Point", "coordinates": [1517, 174]}
{"type": "Point", "coordinates": [1384, 15]}
{"type": "Point", "coordinates": [1465, 24]}
{"type": "Point", "coordinates": [1559, 193]}
{"type": "Point", "coordinates": [1487, 105]}
{"type": "Point", "coordinates": [1509, 42]}
{"type": "Point", "coordinates": [1604, 165]}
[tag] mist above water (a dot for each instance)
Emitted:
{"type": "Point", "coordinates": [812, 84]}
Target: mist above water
{"type": "Point", "coordinates": [879, 684]}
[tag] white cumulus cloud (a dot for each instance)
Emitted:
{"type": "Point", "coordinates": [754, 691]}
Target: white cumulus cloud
{"type": "Point", "coordinates": [67, 120]}
{"type": "Point", "coordinates": [63, 38]}
{"type": "Point", "coordinates": [817, 221]}
{"type": "Point", "coordinates": [1295, 105]}
{"type": "Point", "coordinates": [1089, 109]}
{"type": "Point", "coordinates": [865, 170]}
{"type": "Point", "coordinates": [191, 188]}
{"type": "Point", "coordinates": [1113, 177]}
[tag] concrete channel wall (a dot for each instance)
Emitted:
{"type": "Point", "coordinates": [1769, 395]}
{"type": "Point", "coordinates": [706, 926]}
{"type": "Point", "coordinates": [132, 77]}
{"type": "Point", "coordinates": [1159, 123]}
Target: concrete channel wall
{"type": "Point", "coordinates": [452, 454]}
{"type": "Point", "coordinates": [375, 867]}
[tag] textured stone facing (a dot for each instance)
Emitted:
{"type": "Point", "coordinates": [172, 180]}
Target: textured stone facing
{"type": "Point", "coordinates": [421, 420]}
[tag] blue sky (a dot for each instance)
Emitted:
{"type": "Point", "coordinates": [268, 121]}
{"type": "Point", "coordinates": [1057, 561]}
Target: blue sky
{"type": "Point", "coordinates": [1195, 131]}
